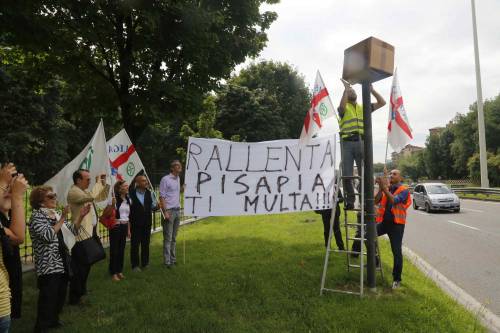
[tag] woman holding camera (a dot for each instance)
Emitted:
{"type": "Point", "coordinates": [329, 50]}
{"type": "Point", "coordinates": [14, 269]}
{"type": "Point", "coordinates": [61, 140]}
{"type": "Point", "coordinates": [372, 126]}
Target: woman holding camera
{"type": "Point", "coordinates": [51, 254]}
{"type": "Point", "coordinates": [12, 189]}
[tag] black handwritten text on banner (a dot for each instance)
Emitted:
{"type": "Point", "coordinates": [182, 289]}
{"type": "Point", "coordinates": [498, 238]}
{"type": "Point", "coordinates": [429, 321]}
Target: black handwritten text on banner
{"type": "Point", "coordinates": [240, 178]}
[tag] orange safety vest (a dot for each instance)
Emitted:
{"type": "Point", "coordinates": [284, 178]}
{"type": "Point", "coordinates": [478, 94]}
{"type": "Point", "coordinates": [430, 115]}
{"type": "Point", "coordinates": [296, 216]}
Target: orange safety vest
{"type": "Point", "coordinates": [398, 210]}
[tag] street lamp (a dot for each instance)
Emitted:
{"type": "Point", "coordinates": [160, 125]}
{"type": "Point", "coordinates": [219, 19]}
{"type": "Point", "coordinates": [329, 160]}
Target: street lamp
{"type": "Point", "coordinates": [480, 114]}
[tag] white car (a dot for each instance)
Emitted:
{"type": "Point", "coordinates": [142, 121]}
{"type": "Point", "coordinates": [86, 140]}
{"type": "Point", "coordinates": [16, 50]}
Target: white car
{"type": "Point", "coordinates": [435, 196]}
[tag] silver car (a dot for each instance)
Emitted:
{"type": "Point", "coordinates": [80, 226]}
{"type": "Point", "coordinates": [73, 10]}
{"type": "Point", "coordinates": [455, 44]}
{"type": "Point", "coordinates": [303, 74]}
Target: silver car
{"type": "Point", "coordinates": [435, 196]}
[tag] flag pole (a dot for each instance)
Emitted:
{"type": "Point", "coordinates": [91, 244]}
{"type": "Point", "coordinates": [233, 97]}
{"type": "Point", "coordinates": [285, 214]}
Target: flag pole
{"type": "Point", "coordinates": [386, 149]}
{"type": "Point", "coordinates": [154, 193]}
{"type": "Point", "coordinates": [183, 247]}
{"type": "Point", "coordinates": [149, 181]}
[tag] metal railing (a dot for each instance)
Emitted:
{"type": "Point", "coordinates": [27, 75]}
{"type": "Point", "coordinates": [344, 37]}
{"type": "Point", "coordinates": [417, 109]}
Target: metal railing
{"type": "Point", "coordinates": [471, 190]}
{"type": "Point", "coordinates": [26, 248]}
{"type": "Point", "coordinates": [477, 190]}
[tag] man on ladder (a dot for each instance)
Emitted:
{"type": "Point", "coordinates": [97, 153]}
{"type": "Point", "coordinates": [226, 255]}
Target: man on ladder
{"type": "Point", "coordinates": [351, 143]}
{"type": "Point", "coordinates": [351, 130]}
{"type": "Point", "coordinates": [393, 202]}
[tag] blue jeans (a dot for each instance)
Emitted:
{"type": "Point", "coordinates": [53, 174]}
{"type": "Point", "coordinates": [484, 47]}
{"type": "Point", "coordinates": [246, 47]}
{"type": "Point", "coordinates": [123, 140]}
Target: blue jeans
{"type": "Point", "coordinates": [170, 228]}
{"type": "Point", "coordinates": [352, 151]}
{"type": "Point", "coordinates": [5, 324]}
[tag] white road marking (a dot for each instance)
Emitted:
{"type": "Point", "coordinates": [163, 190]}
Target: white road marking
{"type": "Point", "coordinates": [422, 213]}
{"type": "Point", "coordinates": [463, 225]}
{"type": "Point", "coordinates": [473, 210]}
{"type": "Point", "coordinates": [482, 201]}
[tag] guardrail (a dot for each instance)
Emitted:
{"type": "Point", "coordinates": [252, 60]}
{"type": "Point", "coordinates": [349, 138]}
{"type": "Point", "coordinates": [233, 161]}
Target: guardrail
{"type": "Point", "coordinates": [26, 249]}
{"type": "Point", "coordinates": [477, 190]}
{"type": "Point", "coordinates": [471, 190]}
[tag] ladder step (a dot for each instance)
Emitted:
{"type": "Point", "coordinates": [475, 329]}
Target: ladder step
{"type": "Point", "coordinates": [342, 291]}
{"type": "Point", "coordinates": [348, 251]}
{"type": "Point", "coordinates": [357, 238]}
{"type": "Point", "coordinates": [353, 209]}
{"type": "Point", "coordinates": [365, 265]}
{"type": "Point", "coordinates": [353, 224]}
{"type": "Point", "coordinates": [350, 177]}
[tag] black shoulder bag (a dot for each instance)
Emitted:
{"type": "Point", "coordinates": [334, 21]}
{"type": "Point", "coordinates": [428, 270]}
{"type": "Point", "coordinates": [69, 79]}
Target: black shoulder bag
{"type": "Point", "coordinates": [90, 250]}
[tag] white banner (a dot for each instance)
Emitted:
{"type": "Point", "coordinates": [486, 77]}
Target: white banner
{"type": "Point", "coordinates": [240, 178]}
{"type": "Point", "coordinates": [92, 158]}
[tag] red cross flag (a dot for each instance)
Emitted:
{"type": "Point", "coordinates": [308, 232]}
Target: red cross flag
{"type": "Point", "coordinates": [399, 130]}
{"type": "Point", "coordinates": [124, 160]}
{"type": "Point", "coordinates": [321, 109]}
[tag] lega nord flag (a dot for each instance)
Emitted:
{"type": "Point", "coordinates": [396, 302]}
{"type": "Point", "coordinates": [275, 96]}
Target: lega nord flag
{"type": "Point", "coordinates": [93, 157]}
{"type": "Point", "coordinates": [123, 158]}
{"type": "Point", "coordinates": [321, 109]}
{"type": "Point", "coordinates": [399, 130]}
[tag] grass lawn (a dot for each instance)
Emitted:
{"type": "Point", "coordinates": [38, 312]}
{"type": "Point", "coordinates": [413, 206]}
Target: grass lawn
{"type": "Point", "coordinates": [253, 274]}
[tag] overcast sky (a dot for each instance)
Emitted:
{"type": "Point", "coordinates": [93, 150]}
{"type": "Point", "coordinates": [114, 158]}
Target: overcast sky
{"type": "Point", "coordinates": [434, 52]}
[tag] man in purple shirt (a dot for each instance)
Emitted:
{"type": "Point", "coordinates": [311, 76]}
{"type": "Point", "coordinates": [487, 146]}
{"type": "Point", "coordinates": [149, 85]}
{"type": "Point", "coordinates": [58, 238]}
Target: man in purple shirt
{"type": "Point", "coordinates": [170, 188]}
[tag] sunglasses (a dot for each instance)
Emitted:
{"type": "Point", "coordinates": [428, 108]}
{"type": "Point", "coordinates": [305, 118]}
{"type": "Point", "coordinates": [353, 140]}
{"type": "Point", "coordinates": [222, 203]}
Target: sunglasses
{"type": "Point", "coordinates": [51, 196]}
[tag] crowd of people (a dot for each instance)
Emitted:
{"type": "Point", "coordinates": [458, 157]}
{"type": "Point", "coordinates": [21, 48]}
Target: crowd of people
{"type": "Point", "coordinates": [128, 214]}
{"type": "Point", "coordinates": [55, 236]}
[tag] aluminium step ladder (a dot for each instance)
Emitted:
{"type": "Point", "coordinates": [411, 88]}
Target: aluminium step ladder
{"type": "Point", "coordinates": [359, 237]}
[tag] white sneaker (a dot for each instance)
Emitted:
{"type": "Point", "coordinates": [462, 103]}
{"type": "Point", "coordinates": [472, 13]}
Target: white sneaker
{"type": "Point", "coordinates": [396, 285]}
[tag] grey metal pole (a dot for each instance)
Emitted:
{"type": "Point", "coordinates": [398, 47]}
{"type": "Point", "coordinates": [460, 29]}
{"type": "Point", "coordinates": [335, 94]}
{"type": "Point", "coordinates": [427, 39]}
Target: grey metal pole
{"type": "Point", "coordinates": [368, 188]}
{"type": "Point", "coordinates": [480, 114]}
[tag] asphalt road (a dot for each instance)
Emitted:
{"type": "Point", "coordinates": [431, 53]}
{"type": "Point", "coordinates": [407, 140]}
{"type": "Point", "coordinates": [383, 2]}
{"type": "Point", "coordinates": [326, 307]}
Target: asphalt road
{"type": "Point", "coordinates": [464, 247]}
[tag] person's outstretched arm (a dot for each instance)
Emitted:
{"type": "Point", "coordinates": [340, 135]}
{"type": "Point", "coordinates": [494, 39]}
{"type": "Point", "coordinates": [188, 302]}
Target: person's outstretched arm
{"type": "Point", "coordinates": [343, 100]}
{"type": "Point", "coordinates": [380, 100]}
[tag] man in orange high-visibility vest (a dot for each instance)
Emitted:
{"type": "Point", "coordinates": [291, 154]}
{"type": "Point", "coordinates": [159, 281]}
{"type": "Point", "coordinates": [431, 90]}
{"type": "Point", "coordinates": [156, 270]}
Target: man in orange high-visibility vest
{"type": "Point", "coordinates": [393, 201]}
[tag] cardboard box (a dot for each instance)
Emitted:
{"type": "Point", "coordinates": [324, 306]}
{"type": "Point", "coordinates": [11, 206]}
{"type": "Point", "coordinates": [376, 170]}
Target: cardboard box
{"type": "Point", "coordinates": [369, 60]}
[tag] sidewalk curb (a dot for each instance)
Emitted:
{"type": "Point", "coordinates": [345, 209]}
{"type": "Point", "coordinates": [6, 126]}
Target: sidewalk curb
{"type": "Point", "coordinates": [488, 318]}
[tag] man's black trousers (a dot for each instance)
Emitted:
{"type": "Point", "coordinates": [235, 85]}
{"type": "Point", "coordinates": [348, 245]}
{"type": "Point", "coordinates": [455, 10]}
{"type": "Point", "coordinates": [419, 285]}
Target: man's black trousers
{"type": "Point", "coordinates": [140, 237]}
{"type": "Point", "coordinates": [326, 215]}
{"type": "Point", "coordinates": [395, 232]}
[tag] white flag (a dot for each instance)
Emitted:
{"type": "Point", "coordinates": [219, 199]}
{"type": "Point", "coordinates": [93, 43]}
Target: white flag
{"type": "Point", "coordinates": [93, 158]}
{"type": "Point", "coordinates": [399, 131]}
{"type": "Point", "coordinates": [321, 109]}
{"type": "Point", "coordinates": [124, 160]}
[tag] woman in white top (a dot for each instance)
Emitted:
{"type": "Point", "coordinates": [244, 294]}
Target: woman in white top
{"type": "Point", "coordinates": [119, 233]}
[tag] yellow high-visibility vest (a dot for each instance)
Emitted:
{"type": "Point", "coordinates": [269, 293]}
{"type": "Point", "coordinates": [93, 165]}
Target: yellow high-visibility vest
{"type": "Point", "coordinates": [352, 121]}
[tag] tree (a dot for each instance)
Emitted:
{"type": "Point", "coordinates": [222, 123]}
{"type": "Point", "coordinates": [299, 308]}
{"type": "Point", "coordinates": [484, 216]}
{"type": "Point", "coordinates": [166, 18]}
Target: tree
{"type": "Point", "coordinates": [204, 126]}
{"type": "Point", "coordinates": [412, 166]}
{"type": "Point", "coordinates": [158, 58]}
{"type": "Point", "coordinates": [249, 114]}
{"type": "Point", "coordinates": [379, 167]}
{"type": "Point", "coordinates": [437, 155]}
{"type": "Point", "coordinates": [265, 101]}
{"type": "Point", "coordinates": [465, 143]}
{"type": "Point", "coordinates": [493, 162]}
{"type": "Point", "coordinates": [35, 132]}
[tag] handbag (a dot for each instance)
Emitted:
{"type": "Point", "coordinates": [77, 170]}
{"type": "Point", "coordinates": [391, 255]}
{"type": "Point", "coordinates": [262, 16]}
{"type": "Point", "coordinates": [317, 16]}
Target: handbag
{"type": "Point", "coordinates": [108, 218]}
{"type": "Point", "coordinates": [90, 250]}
